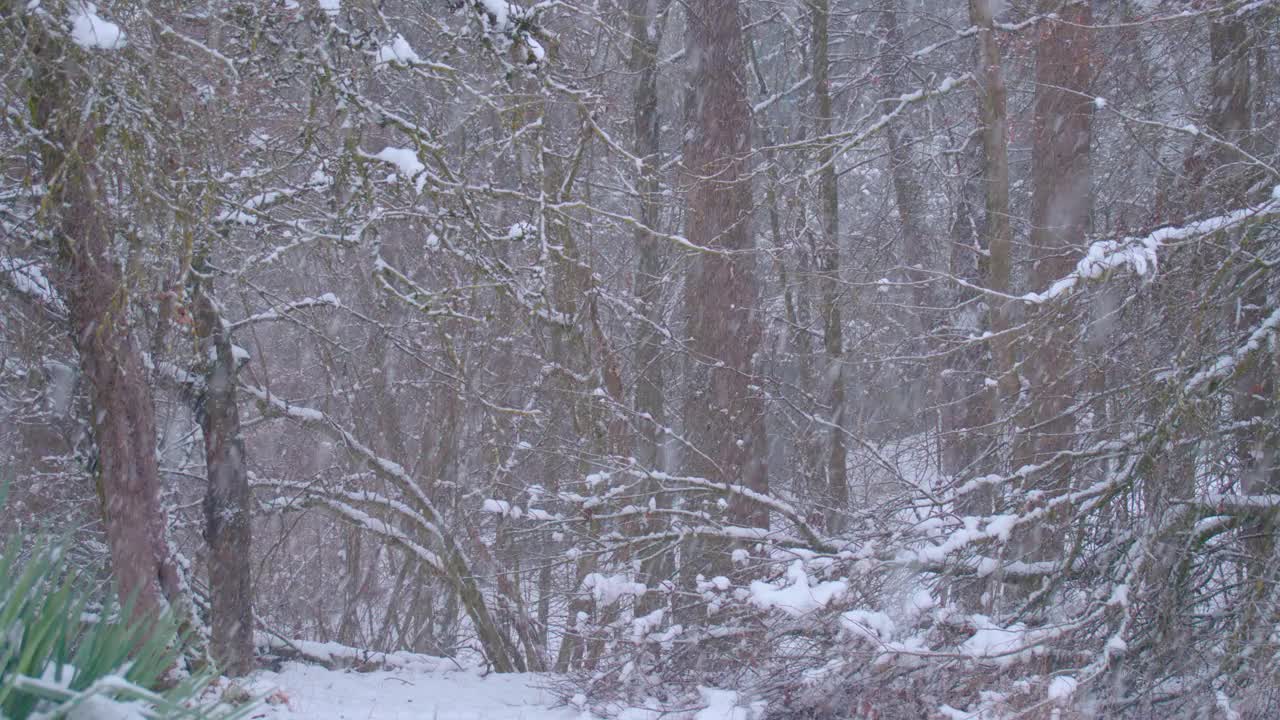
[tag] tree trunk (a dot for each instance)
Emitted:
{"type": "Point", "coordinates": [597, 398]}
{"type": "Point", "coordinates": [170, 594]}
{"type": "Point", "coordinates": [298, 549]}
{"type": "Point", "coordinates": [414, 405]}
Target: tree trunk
{"type": "Point", "coordinates": [995, 147]}
{"type": "Point", "coordinates": [1061, 203]}
{"type": "Point", "coordinates": [123, 419]}
{"type": "Point", "coordinates": [995, 262]}
{"type": "Point", "coordinates": [1253, 389]}
{"type": "Point", "coordinates": [650, 401]}
{"type": "Point", "coordinates": [1220, 182]}
{"type": "Point", "coordinates": [963, 412]}
{"type": "Point", "coordinates": [724, 415]}
{"type": "Point", "coordinates": [837, 470]}
{"type": "Point", "coordinates": [723, 412]}
{"type": "Point", "coordinates": [228, 517]}
{"type": "Point", "coordinates": [918, 241]}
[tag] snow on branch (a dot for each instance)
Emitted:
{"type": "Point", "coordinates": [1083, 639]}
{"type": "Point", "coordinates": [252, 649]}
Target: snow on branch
{"type": "Point", "coordinates": [506, 25]}
{"type": "Point", "coordinates": [1223, 505]}
{"type": "Point", "coordinates": [386, 469]}
{"type": "Point", "coordinates": [433, 304]}
{"type": "Point", "coordinates": [248, 211]}
{"type": "Point", "coordinates": [383, 530]}
{"type": "Point", "coordinates": [29, 279]}
{"type": "Point", "coordinates": [783, 508]}
{"type": "Point", "coordinates": [406, 162]}
{"type": "Point", "coordinates": [1222, 501]}
{"type": "Point", "coordinates": [364, 497]}
{"type": "Point", "coordinates": [850, 139]}
{"type": "Point", "coordinates": [280, 313]}
{"type": "Point", "coordinates": [794, 595]}
{"type": "Point", "coordinates": [336, 655]}
{"type": "Point", "coordinates": [1225, 366]}
{"type": "Point", "coordinates": [93, 32]}
{"type": "Point", "coordinates": [678, 240]}
{"type": "Point", "coordinates": [1140, 253]}
{"type": "Point", "coordinates": [609, 589]}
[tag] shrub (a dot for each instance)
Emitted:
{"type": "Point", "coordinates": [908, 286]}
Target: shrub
{"type": "Point", "coordinates": [58, 661]}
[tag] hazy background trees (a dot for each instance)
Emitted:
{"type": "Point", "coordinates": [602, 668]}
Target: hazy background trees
{"type": "Point", "coordinates": [920, 355]}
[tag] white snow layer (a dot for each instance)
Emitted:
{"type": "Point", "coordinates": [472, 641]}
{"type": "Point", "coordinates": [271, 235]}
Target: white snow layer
{"type": "Point", "coordinates": [89, 30]}
{"type": "Point", "coordinates": [499, 14]}
{"type": "Point", "coordinates": [1062, 688]}
{"type": "Point", "coordinates": [311, 692]}
{"type": "Point", "coordinates": [29, 279]}
{"type": "Point", "coordinates": [98, 707]}
{"type": "Point", "coordinates": [795, 597]}
{"type": "Point", "coordinates": [725, 705]}
{"type": "Point", "coordinates": [300, 691]}
{"type": "Point", "coordinates": [397, 52]}
{"type": "Point", "coordinates": [1140, 253]}
{"type": "Point", "coordinates": [608, 589]}
{"type": "Point", "coordinates": [406, 162]}
{"type": "Point", "coordinates": [870, 624]}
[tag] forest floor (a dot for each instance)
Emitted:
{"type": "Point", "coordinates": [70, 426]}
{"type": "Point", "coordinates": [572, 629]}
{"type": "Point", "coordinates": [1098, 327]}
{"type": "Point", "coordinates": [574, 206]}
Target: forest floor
{"type": "Point", "coordinates": [301, 691]}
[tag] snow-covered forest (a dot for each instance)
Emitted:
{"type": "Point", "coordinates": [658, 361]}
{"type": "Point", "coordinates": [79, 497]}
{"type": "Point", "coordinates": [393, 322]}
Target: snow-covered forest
{"type": "Point", "coordinates": [715, 359]}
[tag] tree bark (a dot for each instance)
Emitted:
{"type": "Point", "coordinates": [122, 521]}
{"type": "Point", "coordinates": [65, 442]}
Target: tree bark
{"type": "Point", "coordinates": [995, 260]}
{"type": "Point", "coordinates": [724, 415]}
{"type": "Point", "coordinates": [1253, 389]}
{"type": "Point", "coordinates": [963, 412]}
{"type": "Point", "coordinates": [1061, 203]}
{"type": "Point", "coordinates": [650, 400]}
{"type": "Point", "coordinates": [917, 240]}
{"type": "Point", "coordinates": [228, 517]}
{"type": "Point", "coordinates": [723, 412]}
{"type": "Point", "coordinates": [998, 259]}
{"type": "Point", "coordinates": [98, 301]}
{"type": "Point", "coordinates": [837, 470]}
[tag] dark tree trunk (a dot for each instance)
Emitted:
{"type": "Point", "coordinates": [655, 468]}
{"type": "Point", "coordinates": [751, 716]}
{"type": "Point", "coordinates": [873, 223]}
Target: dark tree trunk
{"type": "Point", "coordinates": [1061, 203]}
{"type": "Point", "coordinates": [724, 415]}
{"type": "Point", "coordinates": [997, 263]}
{"type": "Point", "coordinates": [963, 413]}
{"type": "Point", "coordinates": [917, 241]}
{"type": "Point", "coordinates": [228, 527]}
{"type": "Point", "coordinates": [837, 471]}
{"type": "Point", "coordinates": [723, 411]}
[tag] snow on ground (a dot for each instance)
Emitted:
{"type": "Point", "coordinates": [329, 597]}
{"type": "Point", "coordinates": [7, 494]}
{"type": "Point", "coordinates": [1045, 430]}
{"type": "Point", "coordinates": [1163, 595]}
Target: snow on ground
{"type": "Point", "coordinates": [409, 686]}
{"type": "Point", "coordinates": [317, 693]}
{"type": "Point", "coordinates": [302, 691]}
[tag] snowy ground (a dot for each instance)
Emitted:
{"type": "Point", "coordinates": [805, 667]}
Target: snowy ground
{"type": "Point", "coordinates": [313, 692]}
{"type": "Point", "coordinates": [316, 693]}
